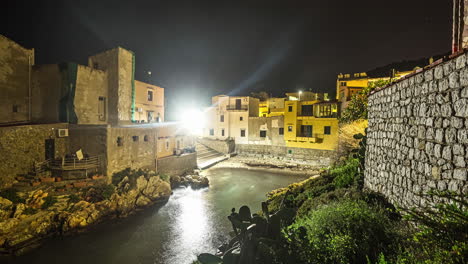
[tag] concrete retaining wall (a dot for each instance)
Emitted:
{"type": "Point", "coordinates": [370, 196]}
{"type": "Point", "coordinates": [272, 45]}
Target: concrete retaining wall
{"type": "Point", "coordinates": [224, 146]}
{"type": "Point", "coordinates": [313, 157]}
{"type": "Point", "coordinates": [177, 165]}
{"type": "Point", "coordinates": [418, 135]}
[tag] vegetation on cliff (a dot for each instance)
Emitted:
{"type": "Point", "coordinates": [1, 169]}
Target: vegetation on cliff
{"type": "Point", "coordinates": [332, 219]}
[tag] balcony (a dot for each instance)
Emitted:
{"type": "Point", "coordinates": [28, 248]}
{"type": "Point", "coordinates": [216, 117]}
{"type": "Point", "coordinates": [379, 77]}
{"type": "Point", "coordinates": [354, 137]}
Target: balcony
{"type": "Point", "coordinates": [237, 108]}
{"type": "Point", "coordinates": [313, 138]}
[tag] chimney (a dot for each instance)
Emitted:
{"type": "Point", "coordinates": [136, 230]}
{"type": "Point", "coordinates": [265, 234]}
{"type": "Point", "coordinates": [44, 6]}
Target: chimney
{"type": "Point", "coordinates": [460, 28]}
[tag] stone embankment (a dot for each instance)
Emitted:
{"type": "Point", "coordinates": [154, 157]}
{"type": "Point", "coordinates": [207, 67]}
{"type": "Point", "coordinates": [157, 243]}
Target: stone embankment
{"type": "Point", "coordinates": [33, 217]}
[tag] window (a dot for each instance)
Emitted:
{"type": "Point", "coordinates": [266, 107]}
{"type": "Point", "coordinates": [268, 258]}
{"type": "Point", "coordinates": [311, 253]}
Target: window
{"type": "Point", "coordinates": [95, 65]}
{"type": "Point", "coordinates": [307, 110]}
{"type": "Point", "coordinates": [119, 141]}
{"type": "Point", "coordinates": [150, 116]}
{"type": "Point", "coordinates": [242, 132]}
{"type": "Point", "coordinates": [146, 138]}
{"type": "Point", "coordinates": [221, 118]}
{"type": "Point", "coordinates": [222, 132]}
{"type": "Point", "coordinates": [15, 108]}
{"type": "Point", "coordinates": [150, 96]}
{"type": "Point", "coordinates": [290, 108]}
{"type": "Point", "coordinates": [327, 130]}
{"type": "Point", "coordinates": [290, 129]}
{"type": "Point", "coordinates": [306, 131]}
{"type": "Point", "coordinates": [211, 131]}
{"type": "Point", "coordinates": [264, 115]}
{"type": "Point", "coordinates": [325, 110]}
{"type": "Point", "coordinates": [102, 108]}
{"type": "Point", "coordinates": [281, 130]}
{"type": "Point", "coordinates": [241, 118]}
{"type": "Point", "coordinates": [135, 138]}
{"type": "Point", "coordinates": [167, 144]}
{"type": "Point", "coordinates": [263, 133]}
{"type": "Point", "coordinates": [343, 83]}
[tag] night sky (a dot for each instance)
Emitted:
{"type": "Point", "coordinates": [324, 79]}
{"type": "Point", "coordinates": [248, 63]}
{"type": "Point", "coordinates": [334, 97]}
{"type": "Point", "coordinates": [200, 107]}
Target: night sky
{"type": "Point", "coordinates": [197, 49]}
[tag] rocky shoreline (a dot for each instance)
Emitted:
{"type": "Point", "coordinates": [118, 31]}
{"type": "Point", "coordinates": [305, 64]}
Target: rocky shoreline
{"type": "Point", "coordinates": [24, 225]}
{"type": "Point", "coordinates": [272, 165]}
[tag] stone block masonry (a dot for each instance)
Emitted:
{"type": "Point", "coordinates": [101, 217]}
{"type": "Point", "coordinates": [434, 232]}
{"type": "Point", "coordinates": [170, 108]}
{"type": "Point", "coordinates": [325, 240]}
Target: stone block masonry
{"type": "Point", "coordinates": [177, 165]}
{"type": "Point", "coordinates": [418, 135]}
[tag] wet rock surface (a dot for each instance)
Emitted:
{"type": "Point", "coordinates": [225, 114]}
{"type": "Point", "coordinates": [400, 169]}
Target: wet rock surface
{"type": "Point", "coordinates": [24, 225]}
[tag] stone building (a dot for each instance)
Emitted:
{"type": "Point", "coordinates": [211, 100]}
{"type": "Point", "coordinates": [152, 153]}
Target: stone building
{"type": "Point", "coordinates": [149, 103]}
{"type": "Point", "coordinates": [15, 82]}
{"type": "Point", "coordinates": [271, 107]}
{"type": "Point", "coordinates": [82, 109]}
{"type": "Point", "coordinates": [229, 117]}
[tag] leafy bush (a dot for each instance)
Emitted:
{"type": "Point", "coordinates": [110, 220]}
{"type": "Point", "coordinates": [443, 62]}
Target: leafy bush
{"type": "Point", "coordinates": [49, 201]}
{"type": "Point", "coordinates": [165, 177]}
{"type": "Point", "coordinates": [29, 211]}
{"type": "Point", "coordinates": [100, 193]}
{"type": "Point", "coordinates": [346, 174]}
{"type": "Point", "coordinates": [357, 107]}
{"type": "Point", "coordinates": [341, 232]}
{"type": "Point", "coordinates": [12, 195]}
{"type": "Point", "coordinates": [131, 174]}
{"type": "Point", "coordinates": [73, 198]}
{"type": "Point", "coordinates": [441, 233]}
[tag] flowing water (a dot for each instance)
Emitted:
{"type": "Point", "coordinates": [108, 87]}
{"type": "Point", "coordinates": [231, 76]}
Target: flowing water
{"type": "Point", "coordinates": [191, 222]}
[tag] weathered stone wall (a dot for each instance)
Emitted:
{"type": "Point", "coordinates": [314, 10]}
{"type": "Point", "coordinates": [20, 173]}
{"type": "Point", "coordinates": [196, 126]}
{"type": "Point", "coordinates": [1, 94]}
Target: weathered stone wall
{"type": "Point", "coordinates": [418, 135]}
{"type": "Point", "coordinates": [22, 146]}
{"type": "Point", "coordinates": [46, 93]}
{"type": "Point", "coordinates": [91, 85]}
{"type": "Point", "coordinates": [272, 127]}
{"type": "Point", "coordinates": [224, 146]}
{"type": "Point", "coordinates": [311, 156]}
{"type": "Point", "coordinates": [133, 151]}
{"type": "Point", "coordinates": [91, 139]}
{"type": "Point", "coordinates": [177, 165]}
{"type": "Point", "coordinates": [15, 73]}
{"type": "Point", "coordinates": [118, 63]}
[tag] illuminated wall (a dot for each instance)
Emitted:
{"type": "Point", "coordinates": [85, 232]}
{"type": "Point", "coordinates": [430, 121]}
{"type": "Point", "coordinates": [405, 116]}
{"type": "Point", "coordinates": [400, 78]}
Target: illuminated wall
{"type": "Point", "coordinates": [149, 103]}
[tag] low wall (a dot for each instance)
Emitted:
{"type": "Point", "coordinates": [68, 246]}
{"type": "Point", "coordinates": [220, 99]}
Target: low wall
{"type": "Point", "coordinates": [223, 146]}
{"type": "Point", "coordinates": [22, 146]}
{"type": "Point", "coordinates": [314, 157]}
{"type": "Point", "coordinates": [177, 165]}
{"type": "Point", "coordinates": [418, 135]}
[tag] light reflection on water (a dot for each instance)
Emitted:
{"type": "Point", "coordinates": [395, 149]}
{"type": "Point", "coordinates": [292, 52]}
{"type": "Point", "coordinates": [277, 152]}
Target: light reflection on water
{"type": "Point", "coordinates": [191, 222]}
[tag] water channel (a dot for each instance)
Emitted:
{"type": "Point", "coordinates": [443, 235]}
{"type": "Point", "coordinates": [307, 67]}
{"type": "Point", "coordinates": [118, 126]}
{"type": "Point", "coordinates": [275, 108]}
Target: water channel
{"type": "Point", "coordinates": [191, 222]}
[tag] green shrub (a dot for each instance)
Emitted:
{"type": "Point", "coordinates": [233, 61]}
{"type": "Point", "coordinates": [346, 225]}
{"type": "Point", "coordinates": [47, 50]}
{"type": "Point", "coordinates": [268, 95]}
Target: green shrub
{"type": "Point", "coordinates": [12, 195]}
{"type": "Point", "coordinates": [73, 198]}
{"type": "Point", "coordinates": [131, 174]}
{"type": "Point", "coordinates": [99, 193]}
{"type": "Point", "coordinates": [118, 176]}
{"type": "Point", "coordinates": [346, 174]}
{"type": "Point", "coordinates": [441, 233]}
{"type": "Point", "coordinates": [49, 201]}
{"type": "Point", "coordinates": [165, 177]}
{"type": "Point", "coordinates": [29, 211]}
{"type": "Point", "coordinates": [341, 232]}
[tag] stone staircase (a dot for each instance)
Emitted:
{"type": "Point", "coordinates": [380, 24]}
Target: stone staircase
{"type": "Point", "coordinates": [207, 157]}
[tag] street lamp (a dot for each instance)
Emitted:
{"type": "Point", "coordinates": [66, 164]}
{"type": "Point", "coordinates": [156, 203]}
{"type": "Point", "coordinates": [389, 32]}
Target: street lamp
{"type": "Point", "coordinates": [300, 92]}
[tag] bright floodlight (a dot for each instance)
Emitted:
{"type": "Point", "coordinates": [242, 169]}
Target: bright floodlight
{"type": "Point", "coordinates": [300, 92]}
{"type": "Point", "coordinates": [193, 120]}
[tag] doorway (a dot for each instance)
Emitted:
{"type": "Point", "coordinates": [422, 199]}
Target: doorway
{"type": "Point", "coordinates": [49, 149]}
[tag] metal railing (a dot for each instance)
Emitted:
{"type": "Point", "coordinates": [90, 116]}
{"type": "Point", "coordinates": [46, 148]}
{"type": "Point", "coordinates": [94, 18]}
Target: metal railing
{"type": "Point", "coordinates": [75, 163]}
{"type": "Point", "coordinates": [307, 135]}
{"type": "Point", "coordinates": [234, 107]}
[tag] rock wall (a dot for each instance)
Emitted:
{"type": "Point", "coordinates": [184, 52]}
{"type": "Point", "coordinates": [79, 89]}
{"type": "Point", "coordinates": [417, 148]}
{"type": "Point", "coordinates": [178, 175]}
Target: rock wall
{"type": "Point", "coordinates": [15, 76]}
{"type": "Point", "coordinates": [313, 157]}
{"type": "Point", "coordinates": [224, 146]}
{"type": "Point", "coordinates": [22, 146]}
{"type": "Point", "coordinates": [418, 135]}
{"type": "Point", "coordinates": [177, 165]}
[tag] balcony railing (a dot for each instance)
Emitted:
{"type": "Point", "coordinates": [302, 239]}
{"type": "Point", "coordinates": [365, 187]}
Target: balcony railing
{"type": "Point", "coordinates": [237, 108]}
{"type": "Point", "coordinates": [75, 164]}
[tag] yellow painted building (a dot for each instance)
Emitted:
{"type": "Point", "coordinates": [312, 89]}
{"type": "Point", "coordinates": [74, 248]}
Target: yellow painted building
{"type": "Point", "coordinates": [349, 84]}
{"type": "Point", "coordinates": [311, 123]}
{"type": "Point", "coordinates": [149, 103]}
{"type": "Point", "coordinates": [271, 107]}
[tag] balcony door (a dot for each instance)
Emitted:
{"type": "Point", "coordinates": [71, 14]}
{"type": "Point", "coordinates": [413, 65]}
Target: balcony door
{"type": "Point", "coordinates": [306, 131]}
{"type": "Point", "coordinates": [238, 104]}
